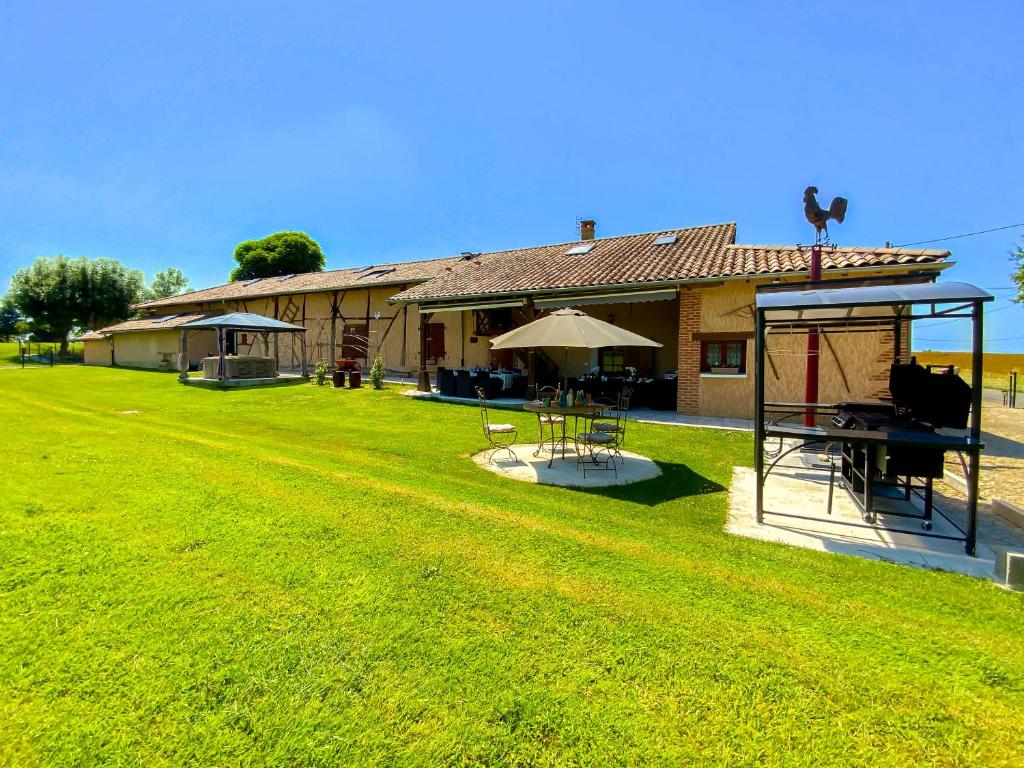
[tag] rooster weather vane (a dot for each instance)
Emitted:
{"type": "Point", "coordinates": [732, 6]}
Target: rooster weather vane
{"type": "Point", "coordinates": [819, 217]}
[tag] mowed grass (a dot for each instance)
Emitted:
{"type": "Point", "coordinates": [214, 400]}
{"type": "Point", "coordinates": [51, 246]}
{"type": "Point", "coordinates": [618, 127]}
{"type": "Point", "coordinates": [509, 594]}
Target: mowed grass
{"type": "Point", "coordinates": [307, 576]}
{"type": "Point", "coordinates": [996, 366]}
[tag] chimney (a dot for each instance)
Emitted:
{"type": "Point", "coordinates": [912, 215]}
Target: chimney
{"type": "Point", "coordinates": [587, 229]}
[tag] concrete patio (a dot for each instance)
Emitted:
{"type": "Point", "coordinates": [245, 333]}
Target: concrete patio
{"type": "Point", "coordinates": [801, 488]}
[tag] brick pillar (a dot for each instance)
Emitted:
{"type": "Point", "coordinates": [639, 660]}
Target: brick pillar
{"type": "Point", "coordinates": [688, 359]}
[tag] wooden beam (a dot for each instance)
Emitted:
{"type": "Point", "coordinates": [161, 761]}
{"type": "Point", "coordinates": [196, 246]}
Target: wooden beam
{"type": "Point", "coordinates": [424, 378]}
{"type": "Point", "coordinates": [386, 332]}
{"type": "Point", "coordinates": [277, 355]}
{"type": "Point", "coordinates": [839, 364]}
{"type": "Point", "coordinates": [405, 334]}
{"type": "Point", "coordinates": [334, 327]}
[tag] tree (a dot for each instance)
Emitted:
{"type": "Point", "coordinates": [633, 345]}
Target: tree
{"type": "Point", "coordinates": [57, 293]}
{"type": "Point", "coordinates": [170, 282]}
{"type": "Point", "coordinates": [1018, 274]}
{"type": "Point", "coordinates": [10, 319]}
{"type": "Point", "coordinates": [283, 253]}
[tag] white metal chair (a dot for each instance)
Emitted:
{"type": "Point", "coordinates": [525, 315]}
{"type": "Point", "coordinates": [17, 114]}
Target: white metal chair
{"type": "Point", "coordinates": [500, 437]}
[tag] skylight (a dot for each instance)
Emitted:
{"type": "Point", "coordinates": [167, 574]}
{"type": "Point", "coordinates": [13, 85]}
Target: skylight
{"type": "Point", "coordinates": [282, 278]}
{"type": "Point", "coordinates": [166, 318]}
{"type": "Point", "coordinates": [666, 239]}
{"type": "Point", "coordinates": [576, 250]}
{"type": "Point", "coordinates": [376, 273]}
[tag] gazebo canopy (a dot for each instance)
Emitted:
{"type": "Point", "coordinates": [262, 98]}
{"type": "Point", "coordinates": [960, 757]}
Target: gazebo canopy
{"type": "Point", "coordinates": [234, 321]}
{"type": "Point", "coordinates": [851, 303]}
{"type": "Point", "coordinates": [244, 321]}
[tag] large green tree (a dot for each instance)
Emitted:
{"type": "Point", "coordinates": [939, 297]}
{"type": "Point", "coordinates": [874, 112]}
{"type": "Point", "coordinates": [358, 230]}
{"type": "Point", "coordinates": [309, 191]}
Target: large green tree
{"type": "Point", "coordinates": [57, 293]}
{"type": "Point", "coordinates": [170, 282]}
{"type": "Point", "coordinates": [283, 253]}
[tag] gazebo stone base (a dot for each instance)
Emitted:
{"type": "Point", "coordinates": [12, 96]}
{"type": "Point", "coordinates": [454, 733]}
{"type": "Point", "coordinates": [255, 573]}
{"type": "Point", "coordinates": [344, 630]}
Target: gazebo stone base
{"type": "Point", "coordinates": [281, 378]}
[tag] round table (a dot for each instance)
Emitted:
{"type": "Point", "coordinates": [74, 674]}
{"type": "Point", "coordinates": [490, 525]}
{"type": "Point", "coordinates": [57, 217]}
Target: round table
{"type": "Point", "coordinates": [584, 411]}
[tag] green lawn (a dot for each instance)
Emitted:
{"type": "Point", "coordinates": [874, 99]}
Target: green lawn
{"type": "Point", "coordinates": [305, 576]}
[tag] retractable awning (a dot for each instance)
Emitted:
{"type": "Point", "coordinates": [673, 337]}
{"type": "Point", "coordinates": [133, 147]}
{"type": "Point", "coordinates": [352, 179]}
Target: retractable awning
{"type": "Point", "coordinates": [583, 299]}
{"type": "Point", "coordinates": [432, 308]}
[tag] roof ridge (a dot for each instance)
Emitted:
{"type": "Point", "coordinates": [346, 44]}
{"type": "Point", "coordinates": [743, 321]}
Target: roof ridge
{"type": "Point", "coordinates": [611, 237]}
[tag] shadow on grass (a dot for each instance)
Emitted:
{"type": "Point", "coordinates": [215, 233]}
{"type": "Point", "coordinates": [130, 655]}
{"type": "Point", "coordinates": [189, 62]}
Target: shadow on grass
{"type": "Point", "coordinates": [676, 481]}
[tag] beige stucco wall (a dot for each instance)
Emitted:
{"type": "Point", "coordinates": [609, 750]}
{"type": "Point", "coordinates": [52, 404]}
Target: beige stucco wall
{"type": "Point", "coordinates": [143, 349]}
{"type": "Point", "coordinates": [96, 352]}
{"type": "Point", "coordinates": [853, 366]}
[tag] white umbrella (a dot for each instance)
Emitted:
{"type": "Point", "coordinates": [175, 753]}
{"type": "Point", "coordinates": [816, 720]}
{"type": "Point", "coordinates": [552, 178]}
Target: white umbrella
{"type": "Point", "coordinates": [570, 328]}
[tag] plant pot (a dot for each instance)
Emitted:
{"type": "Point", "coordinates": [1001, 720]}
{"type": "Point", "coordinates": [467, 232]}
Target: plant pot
{"type": "Point", "coordinates": [720, 370]}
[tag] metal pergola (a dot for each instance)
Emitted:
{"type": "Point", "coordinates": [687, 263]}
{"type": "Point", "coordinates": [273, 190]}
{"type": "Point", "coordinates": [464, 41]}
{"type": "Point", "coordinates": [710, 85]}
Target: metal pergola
{"type": "Point", "coordinates": [863, 306]}
{"type": "Point", "coordinates": [236, 321]}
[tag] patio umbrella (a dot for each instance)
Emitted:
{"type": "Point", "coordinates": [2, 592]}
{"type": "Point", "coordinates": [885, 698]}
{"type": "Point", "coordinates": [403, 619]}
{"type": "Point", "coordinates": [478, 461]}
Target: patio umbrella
{"type": "Point", "coordinates": [570, 328]}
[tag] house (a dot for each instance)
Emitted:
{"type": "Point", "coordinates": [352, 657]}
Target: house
{"type": "Point", "coordinates": [691, 289]}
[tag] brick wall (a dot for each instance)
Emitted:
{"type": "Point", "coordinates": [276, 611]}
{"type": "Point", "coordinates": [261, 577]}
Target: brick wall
{"type": "Point", "coordinates": [688, 395]}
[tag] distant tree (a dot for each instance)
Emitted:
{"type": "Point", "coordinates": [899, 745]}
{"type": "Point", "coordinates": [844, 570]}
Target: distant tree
{"type": "Point", "coordinates": [283, 253]}
{"type": "Point", "coordinates": [57, 293]}
{"type": "Point", "coordinates": [1018, 275]}
{"type": "Point", "coordinates": [170, 282]}
{"type": "Point", "coordinates": [10, 319]}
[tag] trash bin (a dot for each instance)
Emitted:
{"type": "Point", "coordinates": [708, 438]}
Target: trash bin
{"type": "Point", "coordinates": [339, 377]}
{"type": "Point", "coordinates": [355, 379]}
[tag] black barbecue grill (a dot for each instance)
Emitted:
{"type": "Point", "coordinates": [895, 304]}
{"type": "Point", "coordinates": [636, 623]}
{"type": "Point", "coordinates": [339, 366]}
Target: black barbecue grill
{"type": "Point", "coordinates": [923, 400]}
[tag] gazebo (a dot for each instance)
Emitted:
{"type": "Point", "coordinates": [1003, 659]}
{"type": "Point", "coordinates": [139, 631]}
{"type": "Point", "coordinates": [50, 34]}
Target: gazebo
{"type": "Point", "coordinates": [236, 321]}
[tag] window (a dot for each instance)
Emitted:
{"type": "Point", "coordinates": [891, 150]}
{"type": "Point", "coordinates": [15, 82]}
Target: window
{"type": "Point", "coordinates": [435, 341]}
{"type": "Point", "coordinates": [666, 240]}
{"type": "Point", "coordinates": [355, 340]}
{"type": "Point", "coordinates": [612, 360]}
{"type": "Point", "coordinates": [726, 356]}
{"type": "Point", "coordinates": [579, 249]}
{"type": "Point", "coordinates": [376, 273]}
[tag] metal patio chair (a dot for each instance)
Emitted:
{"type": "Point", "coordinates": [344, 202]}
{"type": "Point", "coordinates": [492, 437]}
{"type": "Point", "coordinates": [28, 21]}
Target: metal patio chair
{"type": "Point", "coordinates": [550, 420]}
{"type": "Point", "coordinates": [596, 451]}
{"type": "Point", "coordinates": [500, 437]}
{"type": "Point", "coordinates": [613, 421]}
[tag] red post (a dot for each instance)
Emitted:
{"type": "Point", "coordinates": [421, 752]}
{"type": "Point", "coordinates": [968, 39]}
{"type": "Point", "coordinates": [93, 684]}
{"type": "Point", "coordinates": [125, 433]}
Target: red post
{"type": "Point", "coordinates": [813, 348]}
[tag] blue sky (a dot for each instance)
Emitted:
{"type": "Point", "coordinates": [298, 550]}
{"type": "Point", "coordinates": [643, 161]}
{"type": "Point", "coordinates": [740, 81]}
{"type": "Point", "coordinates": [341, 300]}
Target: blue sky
{"type": "Point", "coordinates": [163, 134]}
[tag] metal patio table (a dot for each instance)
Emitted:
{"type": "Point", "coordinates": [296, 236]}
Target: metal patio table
{"type": "Point", "coordinates": [578, 412]}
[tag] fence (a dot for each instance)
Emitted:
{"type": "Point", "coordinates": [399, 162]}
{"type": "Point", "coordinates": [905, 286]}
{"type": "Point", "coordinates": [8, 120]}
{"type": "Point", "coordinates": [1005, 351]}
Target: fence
{"type": "Point", "coordinates": [39, 353]}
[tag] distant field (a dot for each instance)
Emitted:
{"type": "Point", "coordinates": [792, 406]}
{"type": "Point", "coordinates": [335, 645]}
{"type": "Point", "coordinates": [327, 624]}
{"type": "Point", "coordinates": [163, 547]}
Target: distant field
{"type": "Point", "coordinates": [997, 366]}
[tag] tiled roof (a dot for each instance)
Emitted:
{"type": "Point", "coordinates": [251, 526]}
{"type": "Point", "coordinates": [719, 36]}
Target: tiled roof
{"type": "Point", "coordinates": [700, 253]}
{"type": "Point", "coordinates": [626, 260]}
{"type": "Point", "coordinates": [91, 336]}
{"type": "Point", "coordinates": [398, 273]}
{"type": "Point", "coordinates": [156, 323]}
{"type": "Point", "coordinates": [779, 259]}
